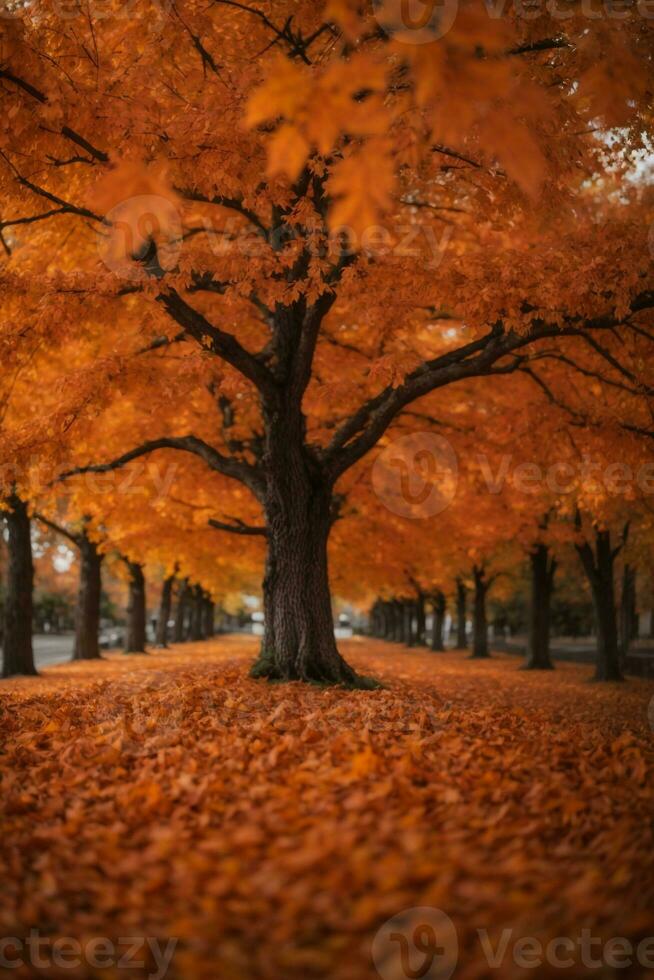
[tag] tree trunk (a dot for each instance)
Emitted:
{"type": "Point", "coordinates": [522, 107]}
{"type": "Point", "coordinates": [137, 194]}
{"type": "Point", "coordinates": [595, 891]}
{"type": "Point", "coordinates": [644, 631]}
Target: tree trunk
{"type": "Point", "coordinates": [438, 613]}
{"type": "Point", "coordinates": [18, 656]}
{"type": "Point", "coordinates": [398, 621]}
{"type": "Point", "coordinates": [387, 620]}
{"type": "Point", "coordinates": [409, 632]}
{"type": "Point", "coordinates": [598, 566]}
{"type": "Point", "coordinates": [628, 614]}
{"type": "Point", "coordinates": [165, 606]}
{"type": "Point", "coordinates": [208, 618]}
{"type": "Point", "coordinates": [461, 596]}
{"type": "Point", "coordinates": [480, 623]}
{"type": "Point", "coordinates": [180, 612]}
{"type": "Point", "coordinates": [542, 579]}
{"type": "Point", "coordinates": [87, 624]}
{"type": "Point", "coordinates": [197, 599]}
{"type": "Point", "coordinates": [135, 638]}
{"type": "Point", "coordinates": [421, 626]}
{"type": "Point", "coordinates": [298, 642]}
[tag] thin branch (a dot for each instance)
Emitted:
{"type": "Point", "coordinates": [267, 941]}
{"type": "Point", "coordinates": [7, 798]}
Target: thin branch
{"type": "Point", "coordinates": [74, 538]}
{"type": "Point", "coordinates": [238, 527]}
{"type": "Point", "coordinates": [221, 200]}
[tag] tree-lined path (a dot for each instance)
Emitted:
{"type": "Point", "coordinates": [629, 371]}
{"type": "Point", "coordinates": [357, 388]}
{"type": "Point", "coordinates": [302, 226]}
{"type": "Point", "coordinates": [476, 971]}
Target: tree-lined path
{"type": "Point", "coordinates": [313, 313]}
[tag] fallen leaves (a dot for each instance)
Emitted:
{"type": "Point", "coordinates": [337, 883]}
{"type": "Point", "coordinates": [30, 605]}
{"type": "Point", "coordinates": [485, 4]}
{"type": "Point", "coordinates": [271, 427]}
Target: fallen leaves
{"type": "Point", "coordinates": [273, 829]}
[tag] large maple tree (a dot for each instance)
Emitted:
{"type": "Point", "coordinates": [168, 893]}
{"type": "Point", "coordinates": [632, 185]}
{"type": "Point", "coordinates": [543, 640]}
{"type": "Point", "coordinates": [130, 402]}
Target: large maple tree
{"type": "Point", "coordinates": [337, 221]}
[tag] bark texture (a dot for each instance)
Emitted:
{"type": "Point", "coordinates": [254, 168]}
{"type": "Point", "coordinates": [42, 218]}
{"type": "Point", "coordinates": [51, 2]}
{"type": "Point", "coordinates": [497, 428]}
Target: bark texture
{"type": "Point", "coordinates": [18, 656]}
{"type": "Point", "coordinates": [298, 642]}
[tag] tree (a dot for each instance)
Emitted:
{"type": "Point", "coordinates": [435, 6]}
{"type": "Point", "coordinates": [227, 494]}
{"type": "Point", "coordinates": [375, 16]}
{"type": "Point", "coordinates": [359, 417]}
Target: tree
{"type": "Point", "coordinates": [87, 615]}
{"type": "Point", "coordinates": [18, 656]}
{"type": "Point", "coordinates": [543, 568]}
{"type": "Point", "coordinates": [349, 127]}
{"type": "Point", "coordinates": [165, 607]}
{"type": "Point", "coordinates": [598, 561]}
{"type": "Point", "coordinates": [135, 637]}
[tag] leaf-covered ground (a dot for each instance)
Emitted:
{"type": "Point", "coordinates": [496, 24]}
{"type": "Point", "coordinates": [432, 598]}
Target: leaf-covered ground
{"type": "Point", "coordinates": [272, 829]}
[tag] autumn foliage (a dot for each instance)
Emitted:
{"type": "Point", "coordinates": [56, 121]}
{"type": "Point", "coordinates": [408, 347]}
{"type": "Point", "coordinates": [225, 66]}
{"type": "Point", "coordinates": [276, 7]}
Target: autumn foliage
{"type": "Point", "coordinates": [306, 303]}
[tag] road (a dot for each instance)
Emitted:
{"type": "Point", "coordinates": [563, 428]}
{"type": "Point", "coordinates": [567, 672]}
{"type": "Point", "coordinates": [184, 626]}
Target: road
{"type": "Point", "coordinates": [50, 649]}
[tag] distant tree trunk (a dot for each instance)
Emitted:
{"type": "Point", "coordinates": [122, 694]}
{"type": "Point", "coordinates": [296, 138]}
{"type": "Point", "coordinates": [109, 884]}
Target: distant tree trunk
{"type": "Point", "coordinates": [180, 611]}
{"type": "Point", "coordinates": [18, 656]}
{"type": "Point", "coordinates": [628, 612]}
{"type": "Point", "coordinates": [87, 619]}
{"type": "Point", "coordinates": [480, 623]}
{"type": "Point", "coordinates": [421, 626]}
{"type": "Point", "coordinates": [398, 621]}
{"type": "Point", "coordinates": [598, 565]}
{"type": "Point", "coordinates": [195, 631]}
{"type": "Point", "coordinates": [439, 606]}
{"type": "Point", "coordinates": [135, 638]}
{"type": "Point", "coordinates": [409, 635]}
{"type": "Point", "coordinates": [543, 568]}
{"type": "Point", "coordinates": [461, 597]}
{"type": "Point", "coordinates": [165, 606]}
{"type": "Point", "coordinates": [377, 619]}
{"type": "Point", "coordinates": [387, 620]}
{"type": "Point", "coordinates": [209, 613]}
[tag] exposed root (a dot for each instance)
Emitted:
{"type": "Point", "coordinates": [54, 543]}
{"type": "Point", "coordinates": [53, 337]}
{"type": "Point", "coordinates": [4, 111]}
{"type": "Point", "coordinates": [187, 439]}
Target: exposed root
{"type": "Point", "coordinates": [340, 674]}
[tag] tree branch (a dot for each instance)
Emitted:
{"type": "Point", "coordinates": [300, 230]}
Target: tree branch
{"type": "Point", "coordinates": [233, 468]}
{"type": "Point", "coordinates": [225, 345]}
{"type": "Point", "coordinates": [65, 131]}
{"type": "Point", "coordinates": [475, 359]}
{"type": "Point", "coordinates": [238, 528]}
{"type": "Point", "coordinates": [74, 538]}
